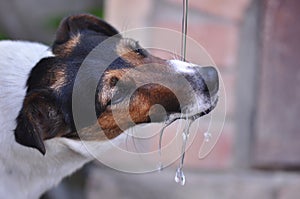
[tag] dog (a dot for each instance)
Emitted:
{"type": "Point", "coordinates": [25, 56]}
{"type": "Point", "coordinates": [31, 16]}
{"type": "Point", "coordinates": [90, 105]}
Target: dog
{"type": "Point", "coordinates": [40, 140]}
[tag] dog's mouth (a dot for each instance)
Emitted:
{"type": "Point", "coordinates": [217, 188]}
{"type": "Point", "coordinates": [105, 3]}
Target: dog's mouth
{"type": "Point", "coordinates": [213, 104]}
{"type": "Point", "coordinates": [193, 115]}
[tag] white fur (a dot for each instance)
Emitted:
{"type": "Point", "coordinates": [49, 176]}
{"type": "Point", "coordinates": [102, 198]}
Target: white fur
{"type": "Point", "coordinates": [181, 66]}
{"type": "Point", "coordinates": [24, 172]}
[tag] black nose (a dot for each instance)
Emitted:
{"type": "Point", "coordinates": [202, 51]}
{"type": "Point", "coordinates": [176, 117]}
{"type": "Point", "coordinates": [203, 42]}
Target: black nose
{"type": "Point", "coordinates": [211, 79]}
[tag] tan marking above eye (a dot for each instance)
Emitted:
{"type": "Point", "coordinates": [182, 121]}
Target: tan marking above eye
{"type": "Point", "coordinates": [126, 45]}
{"type": "Point", "coordinates": [127, 50]}
{"type": "Point", "coordinates": [131, 52]}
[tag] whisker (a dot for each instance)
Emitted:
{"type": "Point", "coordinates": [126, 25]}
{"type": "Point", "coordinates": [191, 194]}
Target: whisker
{"type": "Point", "coordinates": [161, 132]}
{"type": "Point", "coordinates": [177, 57]}
{"type": "Point", "coordinates": [125, 26]}
{"type": "Point", "coordinates": [133, 141]}
{"type": "Point", "coordinates": [126, 141]}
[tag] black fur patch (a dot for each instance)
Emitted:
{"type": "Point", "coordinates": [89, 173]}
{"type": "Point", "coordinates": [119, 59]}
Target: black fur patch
{"type": "Point", "coordinates": [39, 119]}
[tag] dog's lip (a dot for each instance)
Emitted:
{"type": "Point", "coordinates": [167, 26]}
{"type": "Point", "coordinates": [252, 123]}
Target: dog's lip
{"type": "Point", "coordinates": [207, 111]}
{"type": "Point", "coordinates": [176, 116]}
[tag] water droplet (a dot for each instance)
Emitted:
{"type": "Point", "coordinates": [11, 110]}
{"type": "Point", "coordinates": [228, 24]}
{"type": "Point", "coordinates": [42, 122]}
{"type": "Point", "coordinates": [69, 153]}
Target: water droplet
{"type": "Point", "coordinates": [185, 136]}
{"type": "Point", "coordinates": [179, 176]}
{"type": "Point", "coordinates": [160, 166]}
{"type": "Point", "coordinates": [207, 136]}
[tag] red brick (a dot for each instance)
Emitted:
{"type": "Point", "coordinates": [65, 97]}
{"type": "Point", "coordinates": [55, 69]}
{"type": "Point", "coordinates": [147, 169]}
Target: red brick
{"type": "Point", "coordinates": [290, 191]}
{"type": "Point", "coordinates": [229, 79]}
{"type": "Point", "coordinates": [124, 15]}
{"type": "Point", "coordinates": [230, 9]}
{"type": "Point", "coordinates": [220, 40]}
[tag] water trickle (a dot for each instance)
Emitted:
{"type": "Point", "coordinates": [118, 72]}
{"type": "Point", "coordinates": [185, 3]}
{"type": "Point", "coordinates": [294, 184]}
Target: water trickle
{"type": "Point", "coordinates": [170, 121]}
{"type": "Point", "coordinates": [161, 133]}
{"type": "Point", "coordinates": [160, 166]}
{"type": "Point", "coordinates": [179, 176]}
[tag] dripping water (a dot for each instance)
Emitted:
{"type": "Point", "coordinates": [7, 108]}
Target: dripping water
{"type": "Point", "coordinates": [161, 133]}
{"type": "Point", "coordinates": [179, 176]}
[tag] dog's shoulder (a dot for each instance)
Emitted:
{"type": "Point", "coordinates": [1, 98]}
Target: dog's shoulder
{"type": "Point", "coordinates": [17, 58]}
{"type": "Point", "coordinates": [21, 55]}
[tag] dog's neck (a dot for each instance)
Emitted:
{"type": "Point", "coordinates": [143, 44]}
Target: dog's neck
{"type": "Point", "coordinates": [25, 172]}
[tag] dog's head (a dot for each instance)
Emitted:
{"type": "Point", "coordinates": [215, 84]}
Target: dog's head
{"type": "Point", "coordinates": [126, 92]}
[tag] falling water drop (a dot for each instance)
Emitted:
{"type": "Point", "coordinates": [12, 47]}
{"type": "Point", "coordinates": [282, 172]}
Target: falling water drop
{"type": "Point", "coordinates": [160, 166]}
{"type": "Point", "coordinates": [180, 177]}
{"type": "Point", "coordinates": [207, 136]}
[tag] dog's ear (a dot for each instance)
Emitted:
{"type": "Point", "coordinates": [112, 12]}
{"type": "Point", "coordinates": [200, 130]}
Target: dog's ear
{"type": "Point", "coordinates": [39, 119]}
{"type": "Point", "coordinates": [77, 24]}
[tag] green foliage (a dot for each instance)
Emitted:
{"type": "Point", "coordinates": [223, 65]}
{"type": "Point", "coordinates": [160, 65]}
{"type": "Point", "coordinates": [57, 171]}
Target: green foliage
{"type": "Point", "coordinates": [3, 36]}
{"type": "Point", "coordinates": [99, 12]}
{"type": "Point", "coordinates": [54, 21]}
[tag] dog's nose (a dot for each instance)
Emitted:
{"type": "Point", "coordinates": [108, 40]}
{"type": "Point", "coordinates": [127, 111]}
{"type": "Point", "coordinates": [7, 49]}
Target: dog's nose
{"type": "Point", "coordinates": [210, 78]}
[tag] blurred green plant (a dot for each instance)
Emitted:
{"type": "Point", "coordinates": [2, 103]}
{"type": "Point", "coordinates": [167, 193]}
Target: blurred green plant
{"type": "Point", "coordinates": [99, 12]}
{"type": "Point", "coordinates": [54, 21]}
{"type": "Point", "coordinates": [3, 36]}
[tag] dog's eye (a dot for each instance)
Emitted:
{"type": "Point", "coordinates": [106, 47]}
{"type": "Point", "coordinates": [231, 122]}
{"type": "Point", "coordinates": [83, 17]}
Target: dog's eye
{"type": "Point", "coordinates": [141, 52]}
{"type": "Point", "coordinates": [113, 81]}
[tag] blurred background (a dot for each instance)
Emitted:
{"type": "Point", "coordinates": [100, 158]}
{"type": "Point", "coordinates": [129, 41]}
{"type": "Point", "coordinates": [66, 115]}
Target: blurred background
{"type": "Point", "coordinates": [255, 44]}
